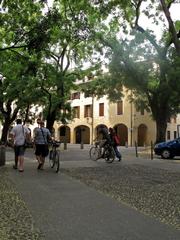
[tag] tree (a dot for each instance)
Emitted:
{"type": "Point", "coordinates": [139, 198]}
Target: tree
{"type": "Point", "coordinates": [71, 45]}
{"type": "Point", "coordinates": [25, 26]}
{"type": "Point", "coordinates": [15, 88]}
{"type": "Point", "coordinates": [56, 92]}
{"type": "Point", "coordinates": [24, 32]}
{"type": "Point", "coordinates": [53, 46]}
{"type": "Point", "coordinates": [144, 64]}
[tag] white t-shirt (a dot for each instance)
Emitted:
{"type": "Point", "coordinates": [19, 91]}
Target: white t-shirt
{"type": "Point", "coordinates": [19, 132]}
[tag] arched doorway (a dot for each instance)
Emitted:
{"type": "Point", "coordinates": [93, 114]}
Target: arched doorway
{"type": "Point", "coordinates": [82, 134]}
{"type": "Point", "coordinates": [64, 134]}
{"type": "Point", "coordinates": [142, 134]}
{"type": "Point", "coordinates": [122, 132]}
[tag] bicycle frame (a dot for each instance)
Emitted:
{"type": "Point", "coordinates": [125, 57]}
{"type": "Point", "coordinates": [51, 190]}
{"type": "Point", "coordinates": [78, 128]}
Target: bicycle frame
{"type": "Point", "coordinates": [54, 156]}
{"type": "Point", "coordinates": [104, 150]}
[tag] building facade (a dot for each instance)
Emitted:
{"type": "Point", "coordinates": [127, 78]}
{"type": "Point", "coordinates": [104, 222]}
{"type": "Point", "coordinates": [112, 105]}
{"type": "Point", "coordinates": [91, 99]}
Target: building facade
{"type": "Point", "coordinates": [132, 126]}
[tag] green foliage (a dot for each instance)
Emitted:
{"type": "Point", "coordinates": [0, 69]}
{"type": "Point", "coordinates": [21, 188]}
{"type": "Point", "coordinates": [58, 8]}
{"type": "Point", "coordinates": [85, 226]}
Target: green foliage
{"type": "Point", "coordinates": [177, 25]}
{"type": "Point", "coordinates": [46, 52]}
{"type": "Point", "coordinates": [147, 66]}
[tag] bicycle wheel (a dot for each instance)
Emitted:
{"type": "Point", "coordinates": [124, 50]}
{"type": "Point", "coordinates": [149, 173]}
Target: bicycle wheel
{"type": "Point", "coordinates": [56, 161]}
{"type": "Point", "coordinates": [94, 153]}
{"type": "Point", "coordinates": [109, 155]}
{"type": "Point", "coordinates": [51, 158]}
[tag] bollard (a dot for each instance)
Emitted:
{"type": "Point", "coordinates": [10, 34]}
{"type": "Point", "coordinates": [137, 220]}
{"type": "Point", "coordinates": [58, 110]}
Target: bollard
{"type": "Point", "coordinates": [136, 149]}
{"type": "Point", "coordinates": [82, 145]}
{"type": "Point", "coordinates": [126, 144]}
{"type": "Point", "coordinates": [2, 155]}
{"type": "Point", "coordinates": [65, 145]}
{"type": "Point", "coordinates": [152, 149]}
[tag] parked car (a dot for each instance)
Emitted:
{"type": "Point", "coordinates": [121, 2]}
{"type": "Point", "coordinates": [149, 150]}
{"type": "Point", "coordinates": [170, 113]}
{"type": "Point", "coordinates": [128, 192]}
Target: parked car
{"type": "Point", "coordinates": [168, 149]}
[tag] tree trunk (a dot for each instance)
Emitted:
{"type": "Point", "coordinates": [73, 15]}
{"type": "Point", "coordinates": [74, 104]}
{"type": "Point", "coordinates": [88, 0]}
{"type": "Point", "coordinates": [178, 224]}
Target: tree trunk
{"type": "Point", "coordinates": [161, 126]}
{"type": "Point", "coordinates": [5, 130]}
{"type": "Point", "coordinates": [172, 28]}
{"type": "Point", "coordinates": [51, 117]}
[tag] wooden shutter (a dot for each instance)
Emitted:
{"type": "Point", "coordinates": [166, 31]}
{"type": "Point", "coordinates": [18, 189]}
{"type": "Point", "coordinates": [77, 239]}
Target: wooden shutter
{"type": "Point", "coordinates": [119, 107]}
{"type": "Point", "coordinates": [101, 109]}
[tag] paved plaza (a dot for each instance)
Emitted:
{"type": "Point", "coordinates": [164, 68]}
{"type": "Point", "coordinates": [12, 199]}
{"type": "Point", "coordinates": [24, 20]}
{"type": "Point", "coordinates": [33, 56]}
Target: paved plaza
{"type": "Point", "coordinates": [136, 199]}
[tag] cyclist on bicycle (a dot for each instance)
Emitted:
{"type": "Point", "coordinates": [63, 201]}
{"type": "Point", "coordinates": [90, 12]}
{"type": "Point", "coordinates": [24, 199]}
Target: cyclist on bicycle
{"type": "Point", "coordinates": [106, 137]}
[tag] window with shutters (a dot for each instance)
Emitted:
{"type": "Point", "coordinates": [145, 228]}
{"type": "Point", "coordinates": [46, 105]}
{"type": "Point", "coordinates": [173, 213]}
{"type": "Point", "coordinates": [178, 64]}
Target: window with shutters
{"type": "Point", "coordinates": [168, 135]}
{"type": "Point", "coordinates": [142, 110]}
{"type": "Point", "coordinates": [101, 109]}
{"type": "Point", "coordinates": [119, 107]}
{"type": "Point", "coordinates": [87, 111]}
{"type": "Point", "coordinates": [76, 112]}
{"type": "Point", "coordinates": [174, 119]}
{"type": "Point", "coordinates": [75, 95]}
{"type": "Point", "coordinates": [169, 120]}
{"type": "Point", "coordinates": [87, 94]}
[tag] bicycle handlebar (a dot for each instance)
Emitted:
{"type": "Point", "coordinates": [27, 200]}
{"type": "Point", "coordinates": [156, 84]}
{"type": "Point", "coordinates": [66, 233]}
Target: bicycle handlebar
{"type": "Point", "coordinates": [55, 143]}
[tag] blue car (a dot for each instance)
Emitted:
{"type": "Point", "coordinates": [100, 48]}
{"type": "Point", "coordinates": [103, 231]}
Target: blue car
{"type": "Point", "coordinates": [168, 149]}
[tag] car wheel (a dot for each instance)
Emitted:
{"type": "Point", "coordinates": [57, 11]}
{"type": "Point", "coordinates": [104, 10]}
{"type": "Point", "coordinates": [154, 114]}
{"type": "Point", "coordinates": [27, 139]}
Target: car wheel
{"type": "Point", "coordinates": [166, 154]}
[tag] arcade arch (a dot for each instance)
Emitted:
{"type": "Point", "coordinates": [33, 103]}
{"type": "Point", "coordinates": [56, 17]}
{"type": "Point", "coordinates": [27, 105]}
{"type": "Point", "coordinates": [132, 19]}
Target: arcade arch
{"type": "Point", "coordinates": [122, 131]}
{"type": "Point", "coordinates": [142, 135]}
{"type": "Point", "coordinates": [82, 134]}
{"type": "Point", "coordinates": [64, 134]}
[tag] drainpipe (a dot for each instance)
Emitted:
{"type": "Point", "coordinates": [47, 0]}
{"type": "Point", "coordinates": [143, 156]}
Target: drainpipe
{"type": "Point", "coordinates": [92, 124]}
{"type": "Point", "coordinates": [131, 120]}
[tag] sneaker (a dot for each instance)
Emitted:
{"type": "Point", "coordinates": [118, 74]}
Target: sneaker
{"type": "Point", "coordinates": [14, 167]}
{"type": "Point", "coordinates": [119, 159]}
{"type": "Point", "coordinates": [39, 166]}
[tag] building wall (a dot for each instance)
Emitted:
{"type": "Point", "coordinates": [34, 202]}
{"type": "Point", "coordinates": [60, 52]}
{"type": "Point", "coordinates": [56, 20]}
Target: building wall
{"type": "Point", "coordinates": [131, 125]}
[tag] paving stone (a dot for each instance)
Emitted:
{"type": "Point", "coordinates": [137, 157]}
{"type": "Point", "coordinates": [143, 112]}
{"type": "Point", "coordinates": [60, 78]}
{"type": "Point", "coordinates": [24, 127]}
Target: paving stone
{"type": "Point", "coordinates": [155, 192]}
{"type": "Point", "coordinates": [16, 221]}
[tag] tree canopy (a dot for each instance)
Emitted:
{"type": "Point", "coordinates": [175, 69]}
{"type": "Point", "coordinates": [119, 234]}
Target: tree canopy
{"type": "Point", "coordinates": [145, 61]}
{"type": "Point", "coordinates": [46, 51]}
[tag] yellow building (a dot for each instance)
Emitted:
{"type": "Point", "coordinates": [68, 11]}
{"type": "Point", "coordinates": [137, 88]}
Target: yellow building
{"type": "Point", "coordinates": [90, 113]}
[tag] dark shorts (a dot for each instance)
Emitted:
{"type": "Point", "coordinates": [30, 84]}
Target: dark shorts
{"type": "Point", "coordinates": [40, 150]}
{"type": "Point", "coordinates": [19, 150]}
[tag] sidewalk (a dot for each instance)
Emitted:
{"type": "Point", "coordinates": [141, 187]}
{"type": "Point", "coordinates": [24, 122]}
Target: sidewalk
{"type": "Point", "coordinates": [65, 208]}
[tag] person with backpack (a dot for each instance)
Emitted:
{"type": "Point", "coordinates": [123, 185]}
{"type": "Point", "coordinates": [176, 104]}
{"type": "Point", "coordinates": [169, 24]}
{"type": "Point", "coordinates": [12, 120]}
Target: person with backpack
{"type": "Point", "coordinates": [115, 142]}
{"type": "Point", "coordinates": [42, 136]}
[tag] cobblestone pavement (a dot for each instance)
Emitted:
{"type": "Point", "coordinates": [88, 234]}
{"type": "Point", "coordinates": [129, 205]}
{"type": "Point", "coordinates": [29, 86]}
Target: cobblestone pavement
{"type": "Point", "coordinates": [149, 189]}
{"type": "Point", "coordinates": [155, 192]}
{"type": "Point", "coordinates": [16, 221]}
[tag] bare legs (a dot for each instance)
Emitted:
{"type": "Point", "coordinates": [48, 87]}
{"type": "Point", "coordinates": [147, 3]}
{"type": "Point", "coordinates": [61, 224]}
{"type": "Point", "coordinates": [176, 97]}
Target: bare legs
{"type": "Point", "coordinates": [21, 163]}
{"type": "Point", "coordinates": [41, 161]}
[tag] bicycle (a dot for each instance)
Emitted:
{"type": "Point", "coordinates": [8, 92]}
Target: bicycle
{"type": "Point", "coordinates": [98, 151]}
{"type": "Point", "coordinates": [95, 151]}
{"type": "Point", "coordinates": [54, 156]}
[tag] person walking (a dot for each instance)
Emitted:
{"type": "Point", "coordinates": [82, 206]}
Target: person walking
{"type": "Point", "coordinates": [19, 134]}
{"type": "Point", "coordinates": [38, 121]}
{"type": "Point", "coordinates": [115, 142]}
{"type": "Point", "coordinates": [41, 137]}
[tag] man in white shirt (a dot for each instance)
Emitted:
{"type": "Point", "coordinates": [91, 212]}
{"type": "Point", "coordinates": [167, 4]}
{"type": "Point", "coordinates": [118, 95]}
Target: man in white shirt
{"type": "Point", "coordinates": [19, 133]}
